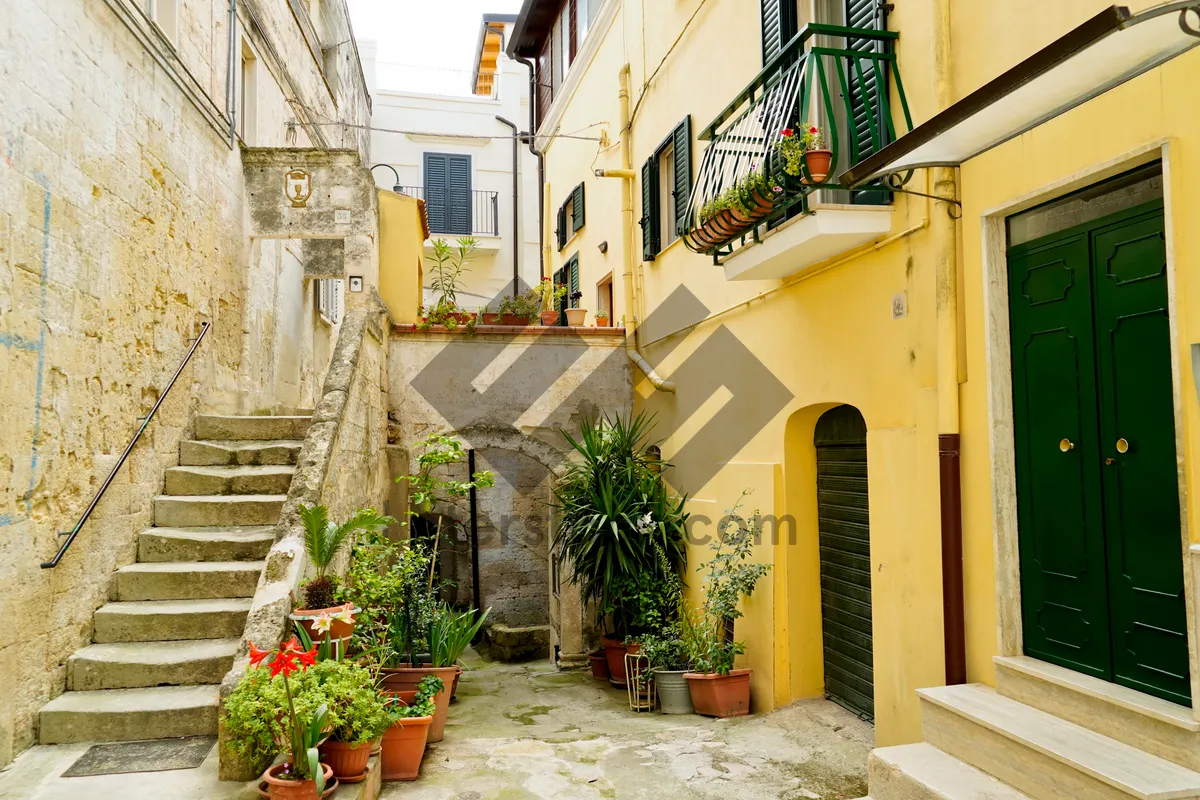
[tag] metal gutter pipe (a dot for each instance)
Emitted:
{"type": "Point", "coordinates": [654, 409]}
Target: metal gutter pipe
{"type": "Point", "coordinates": [230, 68]}
{"type": "Point", "coordinates": [627, 174]}
{"type": "Point", "coordinates": [540, 157]}
{"type": "Point", "coordinates": [516, 154]}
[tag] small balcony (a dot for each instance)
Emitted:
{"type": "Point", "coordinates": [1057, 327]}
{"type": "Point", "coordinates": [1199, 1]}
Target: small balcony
{"type": "Point", "coordinates": [470, 213]}
{"type": "Point", "coordinates": [766, 202]}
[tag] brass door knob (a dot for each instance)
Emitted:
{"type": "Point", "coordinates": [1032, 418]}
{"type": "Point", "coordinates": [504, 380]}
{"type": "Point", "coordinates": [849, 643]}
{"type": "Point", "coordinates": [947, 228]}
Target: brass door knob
{"type": "Point", "coordinates": [1065, 445]}
{"type": "Point", "coordinates": [1122, 445]}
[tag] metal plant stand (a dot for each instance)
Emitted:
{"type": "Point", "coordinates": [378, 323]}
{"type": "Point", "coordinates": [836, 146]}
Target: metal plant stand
{"type": "Point", "coordinates": [639, 683]}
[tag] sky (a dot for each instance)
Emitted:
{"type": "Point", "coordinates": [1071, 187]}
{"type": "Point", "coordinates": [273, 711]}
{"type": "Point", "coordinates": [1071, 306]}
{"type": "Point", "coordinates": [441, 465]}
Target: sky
{"type": "Point", "coordinates": [425, 45]}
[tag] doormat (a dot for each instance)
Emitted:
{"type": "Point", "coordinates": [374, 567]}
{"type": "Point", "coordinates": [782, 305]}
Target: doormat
{"type": "Point", "coordinates": [158, 755]}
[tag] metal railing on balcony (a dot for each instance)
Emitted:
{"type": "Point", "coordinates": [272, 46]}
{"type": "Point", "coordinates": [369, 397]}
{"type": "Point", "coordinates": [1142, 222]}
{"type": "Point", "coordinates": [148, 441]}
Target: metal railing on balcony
{"type": "Point", "coordinates": [760, 168]}
{"type": "Point", "coordinates": [476, 215]}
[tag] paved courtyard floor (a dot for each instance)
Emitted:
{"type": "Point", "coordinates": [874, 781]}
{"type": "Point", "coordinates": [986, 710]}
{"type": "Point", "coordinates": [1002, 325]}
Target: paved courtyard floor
{"type": "Point", "coordinates": [527, 731]}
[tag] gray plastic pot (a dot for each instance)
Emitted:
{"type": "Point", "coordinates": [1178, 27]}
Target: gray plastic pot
{"type": "Point", "coordinates": [674, 695]}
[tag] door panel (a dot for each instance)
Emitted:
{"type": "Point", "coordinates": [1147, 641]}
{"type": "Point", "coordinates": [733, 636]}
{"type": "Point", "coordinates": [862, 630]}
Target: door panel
{"type": "Point", "coordinates": [1063, 581]}
{"type": "Point", "coordinates": [1141, 485]}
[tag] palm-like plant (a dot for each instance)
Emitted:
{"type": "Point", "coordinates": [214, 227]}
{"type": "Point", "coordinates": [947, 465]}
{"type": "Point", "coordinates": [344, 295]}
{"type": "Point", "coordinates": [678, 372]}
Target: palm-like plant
{"type": "Point", "coordinates": [617, 515]}
{"type": "Point", "coordinates": [323, 540]}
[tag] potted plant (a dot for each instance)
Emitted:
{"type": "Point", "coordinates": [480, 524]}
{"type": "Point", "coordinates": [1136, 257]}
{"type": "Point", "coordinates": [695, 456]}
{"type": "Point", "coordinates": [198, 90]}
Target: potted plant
{"type": "Point", "coordinates": [360, 716]}
{"type": "Point", "coordinates": [602, 319]}
{"type": "Point", "coordinates": [615, 513]}
{"type": "Point", "coordinates": [576, 317]}
{"type": "Point", "coordinates": [294, 721]}
{"type": "Point", "coordinates": [450, 634]}
{"type": "Point", "coordinates": [552, 294]}
{"type": "Point", "coordinates": [323, 540]}
{"type": "Point", "coordinates": [447, 266]}
{"type": "Point", "coordinates": [405, 739]}
{"type": "Point", "coordinates": [805, 155]}
{"type": "Point", "coordinates": [717, 689]}
{"type": "Point", "coordinates": [599, 663]}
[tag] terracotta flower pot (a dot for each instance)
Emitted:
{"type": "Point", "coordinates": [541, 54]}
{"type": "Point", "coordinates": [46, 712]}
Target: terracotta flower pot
{"type": "Point", "coordinates": [339, 631]}
{"type": "Point", "coordinates": [281, 789]}
{"type": "Point", "coordinates": [407, 679]}
{"type": "Point", "coordinates": [491, 318]}
{"type": "Point", "coordinates": [614, 654]}
{"type": "Point", "coordinates": [603, 322]}
{"type": "Point", "coordinates": [599, 662]}
{"type": "Point", "coordinates": [348, 761]}
{"type": "Point", "coordinates": [817, 162]}
{"type": "Point", "coordinates": [403, 748]}
{"type": "Point", "coordinates": [576, 317]}
{"type": "Point", "coordinates": [549, 317]}
{"type": "Point", "coordinates": [716, 695]}
{"type": "Point", "coordinates": [458, 671]}
{"type": "Point", "coordinates": [513, 319]}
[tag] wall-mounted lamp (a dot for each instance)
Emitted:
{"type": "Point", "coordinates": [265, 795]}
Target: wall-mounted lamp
{"type": "Point", "coordinates": [396, 187]}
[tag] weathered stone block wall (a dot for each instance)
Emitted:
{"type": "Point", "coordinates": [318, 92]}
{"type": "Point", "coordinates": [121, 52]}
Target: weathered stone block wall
{"type": "Point", "coordinates": [510, 397]}
{"type": "Point", "coordinates": [342, 464]}
{"type": "Point", "coordinates": [121, 231]}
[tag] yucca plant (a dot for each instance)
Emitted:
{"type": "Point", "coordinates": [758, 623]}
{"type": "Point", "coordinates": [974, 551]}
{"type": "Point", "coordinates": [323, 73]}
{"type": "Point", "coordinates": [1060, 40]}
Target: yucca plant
{"type": "Point", "coordinates": [323, 540]}
{"type": "Point", "coordinates": [616, 516]}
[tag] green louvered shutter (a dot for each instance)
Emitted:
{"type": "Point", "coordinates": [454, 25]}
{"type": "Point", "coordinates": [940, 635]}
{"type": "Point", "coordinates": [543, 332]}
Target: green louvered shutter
{"type": "Point", "coordinates": [435, 192]}
{"type": "Point", "coordinates": [779, 25]}
{"type": "Point", "coordinates": [577, 208]}
{"type": "Point", "coordinates": [458, 195]}
{"type": "Point", "coordinates": [573, 285]}
{"type": "Point", "coordinates": [682, 145]}
{"type": "Point", "coordinates": [561, 231]}
{"type": "Point", "coordinates": [650, 209]}
{"type": "Point", "coordinates": [866, 94]}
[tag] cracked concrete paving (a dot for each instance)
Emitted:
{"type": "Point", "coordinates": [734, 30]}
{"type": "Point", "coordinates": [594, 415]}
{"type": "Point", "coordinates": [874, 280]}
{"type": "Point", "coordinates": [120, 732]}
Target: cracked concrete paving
{"type": "Point", "coordinates": [527, 731]}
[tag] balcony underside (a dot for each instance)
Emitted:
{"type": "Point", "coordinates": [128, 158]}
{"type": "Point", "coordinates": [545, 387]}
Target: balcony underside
{"type": "Point", "coordinates": [824, 233]}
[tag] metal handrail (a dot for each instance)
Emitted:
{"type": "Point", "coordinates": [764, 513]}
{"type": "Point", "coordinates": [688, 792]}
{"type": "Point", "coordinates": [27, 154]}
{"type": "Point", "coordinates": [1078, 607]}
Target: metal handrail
{"type": "Point", "coordinates": [71, 534]}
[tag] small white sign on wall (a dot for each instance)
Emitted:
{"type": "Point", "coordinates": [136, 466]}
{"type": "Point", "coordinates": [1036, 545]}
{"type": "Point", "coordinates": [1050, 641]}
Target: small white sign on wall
{"type": "Point", "coordinates": [900, 305]}
{"type": "Point", "coordinates": [341, 216]}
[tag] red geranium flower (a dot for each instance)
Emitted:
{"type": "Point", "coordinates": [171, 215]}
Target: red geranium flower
{"type": "Point", "coordinates": [813, 129]}
{"type": "Point", "coordinates": [787, 132]}
{"type": "Point", "coordinates": [256, 655]}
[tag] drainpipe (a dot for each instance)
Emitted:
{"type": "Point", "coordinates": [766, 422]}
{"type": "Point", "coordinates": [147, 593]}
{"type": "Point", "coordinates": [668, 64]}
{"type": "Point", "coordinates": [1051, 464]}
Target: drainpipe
{"type": "Point", "coordinates": [516, 145]}
{"type": "Point", "coordinates": [626, 173]}
{"type": "Point", "coordinates": [230, 69]}
{"type": "Point", "coordinates": [944, 233]}
{"type": "Point", "coordinates": [540, 157]}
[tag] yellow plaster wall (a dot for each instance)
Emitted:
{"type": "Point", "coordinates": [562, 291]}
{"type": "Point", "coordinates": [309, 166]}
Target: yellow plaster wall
{"type": "Point", "coordinates": [401, 239]}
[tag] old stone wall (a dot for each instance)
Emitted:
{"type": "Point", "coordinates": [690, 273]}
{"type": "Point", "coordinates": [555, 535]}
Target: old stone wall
{"type": "Point", "coordinates": [342, 465]}
{"type": "Point", "coordinates": [122, 229]}
{"type": "Point", "coordinates": [509, 397]}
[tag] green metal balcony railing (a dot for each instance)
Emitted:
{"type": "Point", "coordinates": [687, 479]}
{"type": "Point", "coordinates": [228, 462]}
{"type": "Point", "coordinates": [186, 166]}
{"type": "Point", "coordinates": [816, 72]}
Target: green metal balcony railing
{"type": "Point", "coordinates": [753, 175]}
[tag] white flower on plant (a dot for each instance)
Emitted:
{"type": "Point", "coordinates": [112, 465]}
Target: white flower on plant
{"type": "Point", "coordinates": [323, 623]}
{"type": "Point", "coordinates": [645, 524]}
{"type": "Point", "coordinates": [346, 615]}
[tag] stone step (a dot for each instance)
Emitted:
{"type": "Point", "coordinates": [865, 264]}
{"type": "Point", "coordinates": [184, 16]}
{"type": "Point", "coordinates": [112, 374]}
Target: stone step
{"type": "Point", "coordinates": [227, 453]}
{"type": "Point", "coordinates": [188, 580]}
{"type": "Point", "coordinates": [242, 428]}
{"type": "Point", "coordinates": [170, 620]}
{"type": "Point", "coordinates": [228, 480]}
{"type": "Point", "coordinates": [205, 544]}
{"type": "Point", "coordinates": [922, 772]}
{"type": "Point", "coordinates": [192, 511]}
{"type": "Point", "coordinates": [132, 665]}
{"type": "Point", "coordinates": [1041, 755]}
{"type": "Point", "coordinates": [1148, 723]}
{"type": "Point", "coordinates": [116, 715]}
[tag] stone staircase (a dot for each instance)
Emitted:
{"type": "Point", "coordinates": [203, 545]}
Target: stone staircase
{"type": "Point", "coordinates": [1047, 733]}
{"type": "Point", "coordinates": [162, 647]}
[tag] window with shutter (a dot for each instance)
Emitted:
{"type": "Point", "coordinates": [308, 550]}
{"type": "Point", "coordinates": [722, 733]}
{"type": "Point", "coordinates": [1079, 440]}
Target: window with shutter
{"type": "Point", "coordinates": [560, 232]}
{"type": "Point", "coordinates": [577, 208]}
{"type": "Point", "coordinates": [573, 30]}
{"type": "Point", "coordinates": [545, 87]}
{"type": "Point", "coordinates": [649, 209]}
{"type": "Point", "coordinates": [435, 191]}
{"type": "Point", "coordinates": [867, 121]}
{"type": "Point", "coordinates": [573, 285]}
{"type": "Point", "coordinates": [458, 195]}
{"type": "Point", "coordinates": [779, 25]}
{"type": "Point", "coordinates": [681, 141]}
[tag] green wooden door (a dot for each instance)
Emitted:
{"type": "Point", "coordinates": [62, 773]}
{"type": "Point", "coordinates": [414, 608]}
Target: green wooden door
{"type": "Point", "coordinates": [845, 545]}
{"type": "Point", "coordinates": [1099, 530]}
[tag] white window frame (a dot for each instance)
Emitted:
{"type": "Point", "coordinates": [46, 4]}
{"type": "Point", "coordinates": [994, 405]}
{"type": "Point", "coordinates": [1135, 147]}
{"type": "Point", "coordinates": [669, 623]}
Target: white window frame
{"type": "Point", "coordinates": [165, 16]}
{"type": "Point", "coordinates": [666, 197]}
{"type": "Point", "coordinates": [329, 299]}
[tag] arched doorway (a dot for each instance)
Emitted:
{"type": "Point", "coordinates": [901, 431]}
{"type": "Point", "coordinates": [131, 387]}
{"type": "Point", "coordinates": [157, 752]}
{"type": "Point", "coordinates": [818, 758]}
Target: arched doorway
{"type": "Point", "coordinates": [840, 440]}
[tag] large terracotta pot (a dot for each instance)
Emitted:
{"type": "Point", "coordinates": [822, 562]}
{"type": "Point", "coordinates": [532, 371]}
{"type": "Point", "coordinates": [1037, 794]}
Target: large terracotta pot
{"type": "Point", "coordinates": [817, 162]}
{"type": "Point", "coordinates": [348, 761]}
{"type": "Point", "coordinates": [716, 695]}
{"type": "Point", "coordinates": [576, 317]}
{"type": "Point", "coordinates": [403, 748]}
{"type": "Point", "coordinates": [614, 654]}
{"type": "Point", "coordinates": [407, 679]}
{"type": "Point", "coordinates": [279, 789]}
{"type": "Point", "coordinates": [599, 663]}
{"type": "Point", "coordinates": [339, 631]}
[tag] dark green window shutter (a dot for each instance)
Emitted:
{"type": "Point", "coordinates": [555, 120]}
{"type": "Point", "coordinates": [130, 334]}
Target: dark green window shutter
{"type": "Point", "coordinates": [561, 231]}
{"type": "Point", "coordinates": [458, 195]}
{"type": "Point", "coordinates": [573, 285]}
{"type": "Point", "coordinates": [650, 209]}
{"type": "Point", "coordinates": [577, 208]}
{"type": "Point", "coordinates": [779, 25]}
{"type": "Point", "coordinates": [683, 171]}
{"type": "Point", "coordinates": [435, 192]}
{"type": "Point", "coordinates": [866, 94]}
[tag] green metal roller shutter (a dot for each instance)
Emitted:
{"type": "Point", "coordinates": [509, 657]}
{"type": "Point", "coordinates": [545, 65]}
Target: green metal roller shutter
{"type": "Point", "coordinates": [841, 444]}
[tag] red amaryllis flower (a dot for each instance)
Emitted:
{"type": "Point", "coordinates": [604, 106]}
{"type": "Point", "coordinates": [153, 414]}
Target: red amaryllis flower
{"type": "Point", "coordinates": [284, 662]}
{"type": "Point", "coordinates": [307, 658]}
{"type": "Point", "coordinates": [292, 644]}
{"type": "Point", "coordinates": [786, 132]}
{"type": "Point", "coordinates": [256, 655]}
